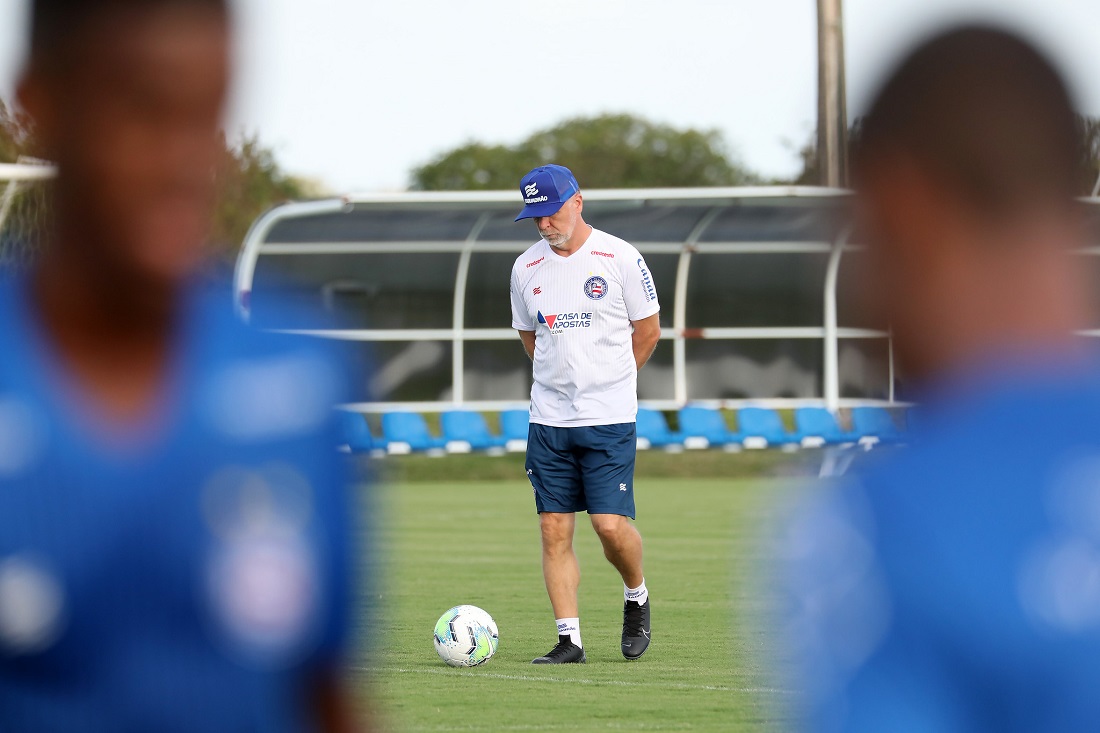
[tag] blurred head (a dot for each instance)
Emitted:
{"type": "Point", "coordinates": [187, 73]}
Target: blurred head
{"type": "Point", "coordinates": [127, 99]}
{"type": "Point", "coordinates": [966, 168]}
{"type": "Point", "coordinates": [558, 228]}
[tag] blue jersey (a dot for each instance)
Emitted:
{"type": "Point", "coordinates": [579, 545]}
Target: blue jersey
{"type": "Point", "coordinates": [955, 585]}
{"type": "Point", "coordinates": [192, 575]}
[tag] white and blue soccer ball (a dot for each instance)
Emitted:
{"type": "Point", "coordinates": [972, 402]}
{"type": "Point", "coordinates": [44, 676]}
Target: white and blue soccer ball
{"type": "Point", "coordinates": [466, 636]}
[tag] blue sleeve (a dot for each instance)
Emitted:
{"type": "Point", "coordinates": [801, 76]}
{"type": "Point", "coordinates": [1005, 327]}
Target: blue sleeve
{"type": "Point", "coordinates": [904, 688]}
{"type": "Point", "coordinates": [343, 562]}
{"type": "Point", "coordinates": [330, 540]}
{"type": "Point", "coordinates": [865, 656]}
{"type": "Point", "coordinates": [344, 492]}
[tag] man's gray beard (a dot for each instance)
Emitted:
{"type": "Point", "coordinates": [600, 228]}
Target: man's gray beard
{"type": "Point", "coordinates": [557, 241]}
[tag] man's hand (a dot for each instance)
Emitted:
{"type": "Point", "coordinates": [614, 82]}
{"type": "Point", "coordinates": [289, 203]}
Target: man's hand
{"type": "Point", "coordinates": [528, 339]}
{"type": "Point", "coordinates": [647, 332]}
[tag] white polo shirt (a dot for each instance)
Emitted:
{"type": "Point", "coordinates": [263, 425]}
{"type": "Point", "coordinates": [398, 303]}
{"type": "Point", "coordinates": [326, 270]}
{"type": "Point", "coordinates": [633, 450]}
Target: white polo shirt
{"type": "Point", "coordinates": [580, 308]}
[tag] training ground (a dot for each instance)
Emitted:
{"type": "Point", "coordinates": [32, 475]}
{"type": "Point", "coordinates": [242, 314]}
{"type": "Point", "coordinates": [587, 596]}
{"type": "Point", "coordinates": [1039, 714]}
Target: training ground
{"type": "Point", "coordinates": [445, 541]}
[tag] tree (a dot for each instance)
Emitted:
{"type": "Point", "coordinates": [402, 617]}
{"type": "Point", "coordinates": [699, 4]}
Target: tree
{"type": "Point", "coordinates": [810, 175]}
{"type": "Point", "coordinates": [15, 134]}
{"type": "Point", "coordinates": [24, 215]}
{"type": "Point", "coordinates": [609, 151]}
{"type": "Point", "coordinates": [1090, 155]}
{"type": "Point", "coordinates": [250, 181]}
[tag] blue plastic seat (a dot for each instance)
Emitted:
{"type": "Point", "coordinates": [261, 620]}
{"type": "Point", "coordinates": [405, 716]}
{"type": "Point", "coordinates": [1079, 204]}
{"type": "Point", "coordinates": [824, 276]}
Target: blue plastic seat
{"type": "Point", "coordinates": [762, 427]}
{"type": "Point", "coordinates": [410, 429]}
{"type": "Point", "coordinates": [819, 423]}
{"type": "Point", "coordinates": [463, 426]}
{"type": "Point", "coordinates": [704, 423]}
{"type": "Point", "coordinates": [875, 422]}
{"type": "Point", "coordinates": [653, 428]}
{"type": "Point", "coordinates": [357, 432]}
{"type": "Point", "coordinates": [514, 426]}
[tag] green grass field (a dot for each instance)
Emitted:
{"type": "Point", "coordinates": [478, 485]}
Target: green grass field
{"type": "Point", "coordinates": [445, 543]}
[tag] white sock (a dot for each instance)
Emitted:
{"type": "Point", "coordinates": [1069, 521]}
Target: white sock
{"type": "Point", "coordinates": [639, 595]}
{"type": "Point", "coordinates": [570, 627]}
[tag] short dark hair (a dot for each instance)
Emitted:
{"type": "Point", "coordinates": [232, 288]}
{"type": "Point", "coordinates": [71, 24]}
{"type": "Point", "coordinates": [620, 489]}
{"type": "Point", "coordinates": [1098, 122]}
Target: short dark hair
{"type": "Point", "coordinates": [985, 111]}
{"type": "Point", "coordinates": [55, 23]}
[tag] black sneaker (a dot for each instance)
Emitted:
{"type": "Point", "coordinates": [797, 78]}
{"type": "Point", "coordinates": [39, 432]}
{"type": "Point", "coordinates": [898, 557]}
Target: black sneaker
{"type": "Point", "coordinates": [566, 652]}
{"type": "Point", "coordinates": [635, 629]}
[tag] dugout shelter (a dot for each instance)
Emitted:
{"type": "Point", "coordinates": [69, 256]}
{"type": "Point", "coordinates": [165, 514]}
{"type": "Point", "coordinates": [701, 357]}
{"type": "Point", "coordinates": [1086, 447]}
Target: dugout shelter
{"type": "Point", "coordinates": [756, 287]}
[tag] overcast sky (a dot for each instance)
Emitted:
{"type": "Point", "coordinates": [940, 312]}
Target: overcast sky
{"type": "Point", "coordinates": [354, 93]}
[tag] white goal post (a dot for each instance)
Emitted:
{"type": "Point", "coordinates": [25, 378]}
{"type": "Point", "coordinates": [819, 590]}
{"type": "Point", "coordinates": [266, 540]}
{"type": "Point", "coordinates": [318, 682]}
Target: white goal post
{"type": "Point", "coordinates": [14, 176]}
{"type": "Point", "coordinates": [23, 207]}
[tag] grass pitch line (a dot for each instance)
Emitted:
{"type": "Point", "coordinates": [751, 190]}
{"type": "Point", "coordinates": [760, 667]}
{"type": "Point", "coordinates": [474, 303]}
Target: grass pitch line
{"type": "Point", "coordinates": [569, 725]}
{"type": "Point", "coordinates": [584, 681]}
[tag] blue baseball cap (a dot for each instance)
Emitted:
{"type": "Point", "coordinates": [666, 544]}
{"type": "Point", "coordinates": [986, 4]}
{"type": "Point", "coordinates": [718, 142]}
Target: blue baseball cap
{"type": "Point", "coordinates": [545, 190]}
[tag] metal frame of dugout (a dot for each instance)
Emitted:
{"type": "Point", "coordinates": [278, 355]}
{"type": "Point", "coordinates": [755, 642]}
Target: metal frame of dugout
{"type": "Point", "coordinates": [287, 232]}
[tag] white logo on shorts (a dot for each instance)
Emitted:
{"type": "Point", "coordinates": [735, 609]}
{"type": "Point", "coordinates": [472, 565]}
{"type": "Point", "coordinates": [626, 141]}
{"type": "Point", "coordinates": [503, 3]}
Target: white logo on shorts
{"type": "Point", "coordinates": [622, 487]}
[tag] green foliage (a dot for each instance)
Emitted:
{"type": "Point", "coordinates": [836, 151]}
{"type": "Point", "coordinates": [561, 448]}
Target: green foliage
{"type": "Point", "coordinates": [26, 215]}
{"type": "Point", "coordinates": [1090, 155]}
{"type": "Point", "coordinates": [810, 175]}
{"type": "Point", "coordinates": [442, 543]}
{"type": "Point", "coordinates": [250, 182]}
{"type": "Point", "coordinates": [15, 134]}
{"type": "Point", "coordinates": [249, 178]}
{"type": "Point", "coordinates": [473, 167]}
{"type": "Point", "coordinates": [609, 151]}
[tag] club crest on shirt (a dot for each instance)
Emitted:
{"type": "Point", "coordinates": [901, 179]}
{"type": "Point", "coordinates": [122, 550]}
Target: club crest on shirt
{"type": "Point", "coordinates": [263, 577]}
{"type": "Point", "coordinates": [595, 287]}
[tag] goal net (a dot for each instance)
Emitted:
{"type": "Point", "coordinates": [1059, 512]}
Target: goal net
{"type": "Point", "coordinates": [24, 204]}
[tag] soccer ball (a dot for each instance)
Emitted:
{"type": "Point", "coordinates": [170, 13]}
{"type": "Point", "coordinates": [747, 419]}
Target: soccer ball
{"type": "Point", "coordinates": [466, 636]}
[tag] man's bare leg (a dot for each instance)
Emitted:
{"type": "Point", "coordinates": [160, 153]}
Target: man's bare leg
{"type": "Point", "coordinates": [622, 546]}
{"type": "Point", "coordinates": [560, 569]}
{"type": "Point", "coordinates": [562, 574]}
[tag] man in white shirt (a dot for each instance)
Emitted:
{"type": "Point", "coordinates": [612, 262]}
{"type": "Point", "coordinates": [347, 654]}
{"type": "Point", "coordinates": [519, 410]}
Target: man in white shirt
{"type": "Point", "coordinates": [586, 310]}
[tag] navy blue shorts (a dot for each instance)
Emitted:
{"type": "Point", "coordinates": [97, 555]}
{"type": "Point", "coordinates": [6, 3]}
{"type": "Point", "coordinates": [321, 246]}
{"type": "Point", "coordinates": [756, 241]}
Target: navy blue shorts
{"type": "Point", "coordinates": [583, 469]}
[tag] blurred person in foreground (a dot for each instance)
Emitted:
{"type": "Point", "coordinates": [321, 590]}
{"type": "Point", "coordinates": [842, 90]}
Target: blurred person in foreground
{"type": "Point", "coordinates": [175, 542]}
{"type": "Point", "coordinates": [953, 585]}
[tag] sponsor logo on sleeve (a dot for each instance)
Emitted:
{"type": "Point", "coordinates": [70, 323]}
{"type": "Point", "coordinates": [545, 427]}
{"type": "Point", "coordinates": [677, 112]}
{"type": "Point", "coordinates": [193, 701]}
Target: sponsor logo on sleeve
{"type": "Point", "coordinates": [603, 254]}
{"type": "Point", "coordinates": [595, 287]}
{"type": "Point", "coordinates": [536, 262]}
{"type": "Point", "coordinates": [647, 282]}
